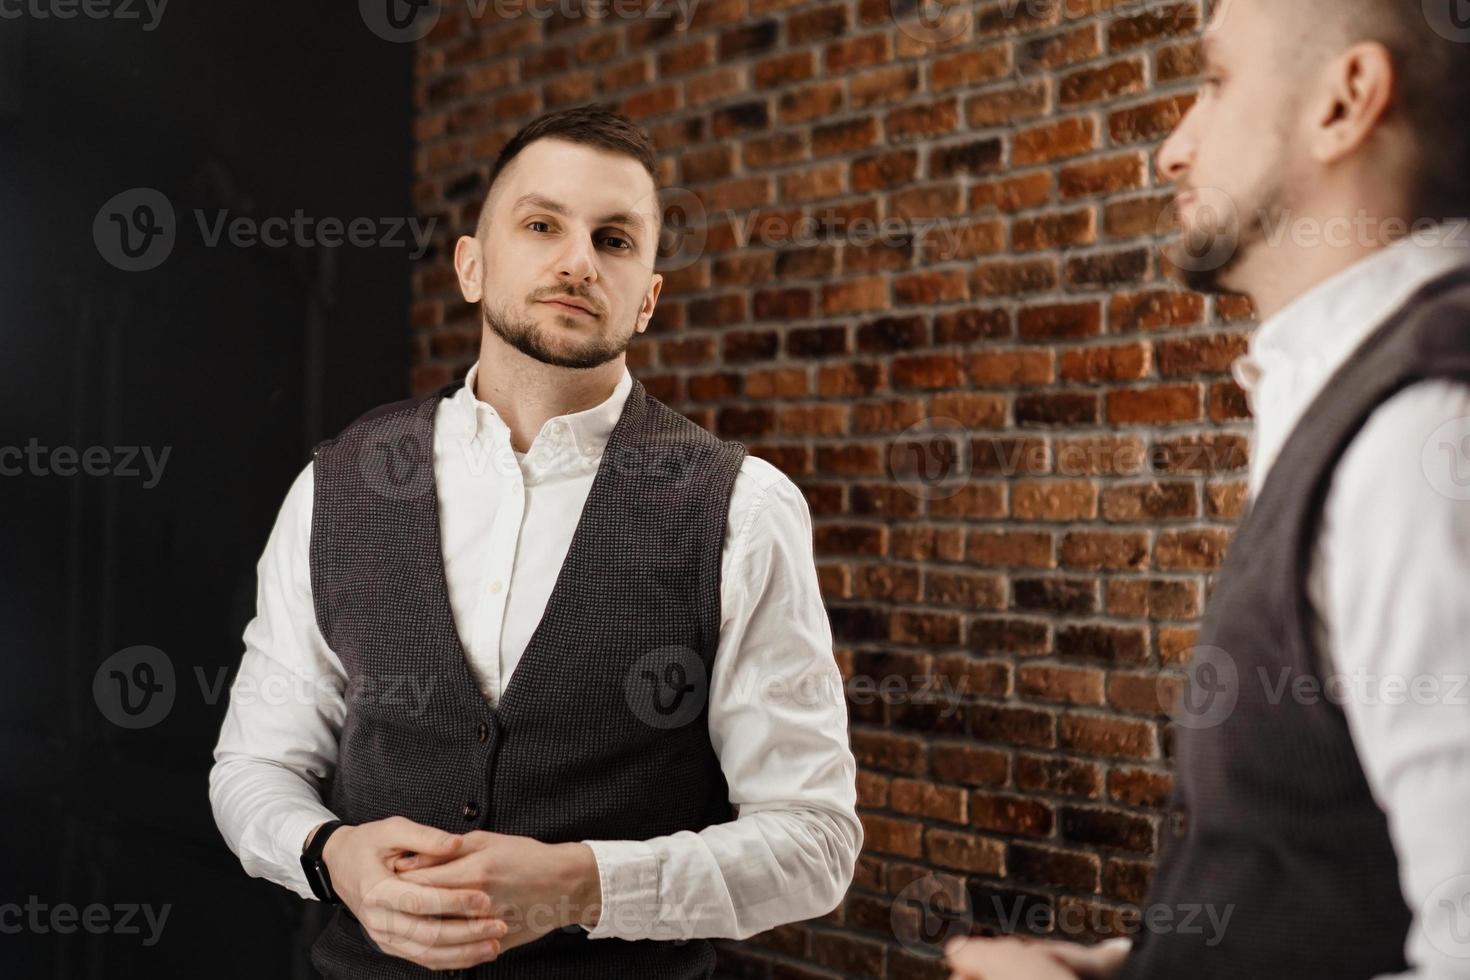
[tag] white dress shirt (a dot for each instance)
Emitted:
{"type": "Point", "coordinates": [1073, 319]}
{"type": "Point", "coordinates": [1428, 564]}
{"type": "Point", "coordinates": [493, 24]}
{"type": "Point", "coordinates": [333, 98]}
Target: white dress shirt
{"type": "Point", "coordinates": [777, 715]}
{"type": "Point", "coordinates": [1390, 579]}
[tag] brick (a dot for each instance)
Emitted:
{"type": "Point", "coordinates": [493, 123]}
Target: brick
{"type": "Point", "coordinates": [1013, 193]}
{"type": "Point", "coordinates": [1013, 278]}
{"type": "Point", "coordinates": [1021, 549]}
{"type": "Point", "coordinates": [1104, 550]}
{"type": "Point", "coordinates": [1103, 827]}
{"type": "Point", "coordinates": [1157, 405]}
{"type": "Point", "coordinates": [1053, 141]}
{"type": "Point", "coordinates": [1006, 106]}
{"type": "Point", "coordinates": [970, 765]}
{"type": "Point", "coordinates": [926, 120]}
{"type": "Point", "coordinates": [1059, 321]}
{"type": "Point", "coordinates": [965, 852]}
{"type": "Point", "coordinates": [970, 67]}
{"type": "Point", "coordinates": [1058, 595]}
{"type": "Point", "coordinates": [1191, 550]}
{"type": "Point", "coordinates": [1073, 870]}
{"type": "Point", "coordinates": [1012, 725]}
{"type": "Point", "coordinates": [991, 635]}
{"type": "Point", "coordinates": [1150, 501]}
{"type": "Point", "coordinates": [1067, 685]}
{"type": "Point", "coordinates": [1054, 500]}
{"type": "Point", "coordinates": [1012, 368]}
{"type": "Point", "coordinates": [1011, 814]}
{"type": "Point", "coordinates": [1105, 176]}
{"type": "Point", "coordinates": [1095, 84]}
{"type": "Point", "coordinates": [970, 676]}
{"type": "Point", "coordinates": [1051, 231]}
{"type": "Point", "coordinates": [970, 325]}
{"type": "Point", "coordinates": [928, 371]}
{"type": "Point", "coordinates": [1123, 362]}
{"type": "Point", "coordinates": [1111, 644]}
{"type": "Point", "coordinates": [886, 835]}
{"type": "Point", "coordinates": [1057, 409]}
{"type": "Point", "coordinates": [1139, 787]}
{"type": "Point", "coordinates": [1059, 776]}
{"type": "Point", "coordinates": [1107, 736]}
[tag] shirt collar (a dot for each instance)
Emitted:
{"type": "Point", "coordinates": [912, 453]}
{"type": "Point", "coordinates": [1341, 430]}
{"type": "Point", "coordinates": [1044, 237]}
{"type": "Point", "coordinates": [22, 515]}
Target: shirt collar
{"type": "Point", "coordinates": [564, 443]}
{"type": "Point", "coordinates": [1315, 333]}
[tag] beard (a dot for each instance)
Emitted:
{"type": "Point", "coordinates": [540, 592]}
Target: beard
{"type": "Point", "coordinates": [1224, 235]}
{"type": "Point", "coordinates": [526, 336]}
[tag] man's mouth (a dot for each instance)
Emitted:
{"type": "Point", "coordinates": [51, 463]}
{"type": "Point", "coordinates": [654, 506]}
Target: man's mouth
{"type": "Point", "coordinates": [569, 305]}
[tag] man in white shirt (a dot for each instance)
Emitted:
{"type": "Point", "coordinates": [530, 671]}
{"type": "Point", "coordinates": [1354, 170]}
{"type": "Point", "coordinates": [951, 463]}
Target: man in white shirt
{"type": "Point", "coordinates": [1324, 132]}
{"type": "Point", "coordinates": [515, 673]}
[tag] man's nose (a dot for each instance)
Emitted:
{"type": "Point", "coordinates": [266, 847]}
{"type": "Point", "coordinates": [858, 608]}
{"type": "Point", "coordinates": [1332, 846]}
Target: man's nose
{"type": "Point", "coordinates": [1175, 155]}
{"type": "Point", "coordinates": [577, 262]}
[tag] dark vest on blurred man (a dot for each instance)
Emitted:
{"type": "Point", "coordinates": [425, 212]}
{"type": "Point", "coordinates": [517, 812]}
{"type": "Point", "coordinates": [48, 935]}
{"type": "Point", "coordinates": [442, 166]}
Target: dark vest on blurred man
{"type": "Point", "coordinates": [1272, 820]}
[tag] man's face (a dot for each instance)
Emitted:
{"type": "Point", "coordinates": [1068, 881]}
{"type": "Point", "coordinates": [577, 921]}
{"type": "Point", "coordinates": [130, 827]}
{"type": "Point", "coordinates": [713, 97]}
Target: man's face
{"type": "Point", "coordinates": [1232, 157]}
{"type": "Point", "coordinates": [567, 253]}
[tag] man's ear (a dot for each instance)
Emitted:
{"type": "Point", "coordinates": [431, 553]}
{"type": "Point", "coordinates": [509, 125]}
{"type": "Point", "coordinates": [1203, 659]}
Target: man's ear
{"type": "Point", "coordinates": [650, 300]}
{"type": "Point", "coordinates": [470, 268]}
{"type": "Point", "coordinates": [1358, 88]}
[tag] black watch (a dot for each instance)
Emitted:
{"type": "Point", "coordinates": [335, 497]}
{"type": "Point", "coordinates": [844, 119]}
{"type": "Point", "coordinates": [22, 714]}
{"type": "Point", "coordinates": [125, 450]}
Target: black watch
{"type": "Point", "coordinates": [316, 868]}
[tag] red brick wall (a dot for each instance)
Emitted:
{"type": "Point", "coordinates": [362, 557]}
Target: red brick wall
{"type": "Point", "coordinates": [1010, 333]}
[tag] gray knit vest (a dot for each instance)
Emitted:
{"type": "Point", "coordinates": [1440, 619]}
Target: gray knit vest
{"type": "Point", "coordinates": [1273, 822]}
{"type": "Point", "coordinates": [601, 732]}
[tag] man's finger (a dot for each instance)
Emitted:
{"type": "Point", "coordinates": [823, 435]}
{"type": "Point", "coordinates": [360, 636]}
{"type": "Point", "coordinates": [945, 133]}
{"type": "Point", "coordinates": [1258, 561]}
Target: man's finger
{"type": "Point", "coordinates": [399, 895]}
{"type": "Point", "coordinates": [458, 873]}
{"type": "Point", "coordinates": [430, 930]}
{"type": "Point", "coordinates": [409, 836]}
{"type": "Point", "coordinates": [438, 957]}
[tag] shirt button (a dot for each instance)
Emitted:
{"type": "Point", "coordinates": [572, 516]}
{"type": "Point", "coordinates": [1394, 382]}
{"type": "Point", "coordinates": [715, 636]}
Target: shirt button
{"type": "Point", "coordinates": [495, 587]}
{"type": "Point", "coordinates": [471, 810]}
{"type": "Point", "coordinates": [484, 732]}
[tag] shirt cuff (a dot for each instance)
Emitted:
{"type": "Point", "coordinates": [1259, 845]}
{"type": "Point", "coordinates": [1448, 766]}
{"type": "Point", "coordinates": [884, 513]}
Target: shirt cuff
{"type": "Point", "coordinates": [292, 842]}
{"type": "Point", "coordinates": [628, 872]}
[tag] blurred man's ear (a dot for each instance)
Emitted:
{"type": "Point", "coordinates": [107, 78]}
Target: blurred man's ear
{"type": "Point", "coordinates": [1357, 87]}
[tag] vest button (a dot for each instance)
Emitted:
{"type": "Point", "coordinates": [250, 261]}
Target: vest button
{"type": "Point", "coordinates": [471, 810]}
{"type": "Point", "coordinates": [484, 732]}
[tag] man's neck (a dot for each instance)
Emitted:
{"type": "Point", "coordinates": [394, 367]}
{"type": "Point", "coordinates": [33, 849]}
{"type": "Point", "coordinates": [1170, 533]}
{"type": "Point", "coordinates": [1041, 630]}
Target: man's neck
{"type": "Point", "coordinates": [526, 392]}
{"type": "Point", "coordinates": [1285, 272]}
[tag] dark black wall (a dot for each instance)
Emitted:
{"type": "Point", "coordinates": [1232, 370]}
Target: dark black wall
{"type": "Point", "coordinates": [234, 360]}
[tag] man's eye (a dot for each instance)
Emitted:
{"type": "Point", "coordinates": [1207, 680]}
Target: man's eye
{"type": "Point", "coordinates": [543, 224]}
{"type": "Point", "coordinates": [619, 243]}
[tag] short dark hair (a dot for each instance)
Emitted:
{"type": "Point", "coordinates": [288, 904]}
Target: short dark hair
{"type": "Point", "coordinates": [1433, 69]}
{"type": "Point", "coordinates": [591, 124]}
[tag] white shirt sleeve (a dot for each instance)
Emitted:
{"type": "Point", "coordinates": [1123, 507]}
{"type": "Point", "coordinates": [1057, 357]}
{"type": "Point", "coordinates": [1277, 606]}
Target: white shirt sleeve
{"type": "Point", "coordinates": [1394, 582]}
{"type": "Point", "coordinates": [778, 721]}
{"type": "Point", "coordinates": [278, 743]}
